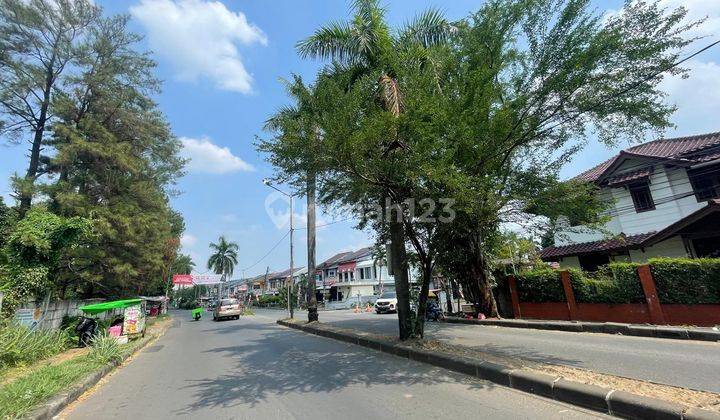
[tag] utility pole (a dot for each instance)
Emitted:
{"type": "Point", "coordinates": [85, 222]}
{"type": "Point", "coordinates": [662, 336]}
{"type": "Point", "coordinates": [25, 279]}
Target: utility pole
{"type": "Point", "coordinates": [292, 265]}
{"type": "Point", "coordinates": [267, 182]}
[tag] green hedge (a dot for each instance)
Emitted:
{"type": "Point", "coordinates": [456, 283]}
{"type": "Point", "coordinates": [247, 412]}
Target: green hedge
{"type": "Point", "coordinates": [678, 280]}
{"type": "Point", "coordinates": [540, 285]}
{"type": "Point", "coordinates": [613, 283]}
{"type": "Point", "coordinates": [686, 280]}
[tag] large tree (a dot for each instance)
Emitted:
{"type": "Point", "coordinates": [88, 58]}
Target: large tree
{"type": "Point", "coordinates": [524, 86]}
{"type": "Point", "coordinates": [116, 163]}
{"type": "Point", "coordinates": [366, 48]}
{"type": "Point", "coordinates": [39, 41]}
{"type": "Point", "coordinates": [295, 149]}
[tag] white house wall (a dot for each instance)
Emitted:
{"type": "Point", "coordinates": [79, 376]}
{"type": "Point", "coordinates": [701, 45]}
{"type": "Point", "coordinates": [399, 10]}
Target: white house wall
{"type": "Point", "coordinates": [673, 247]}
{"type": "Point", "coordinates": [664, 183]}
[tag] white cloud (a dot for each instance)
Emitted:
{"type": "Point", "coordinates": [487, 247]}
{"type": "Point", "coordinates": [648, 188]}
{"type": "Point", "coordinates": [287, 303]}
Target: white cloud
{"type": "Point", "coordinates": [205, 156]}
{"type": "Point", "coordinates": [200, 38]}
{"type": "Point", "coordinates": [697, 97]}
{"type": "Point", "coordinates": [187, 240]}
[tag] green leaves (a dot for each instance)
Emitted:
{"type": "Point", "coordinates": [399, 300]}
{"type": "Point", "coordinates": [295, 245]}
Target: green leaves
{"type": "Point", "coordinates": [224, 257]}
{"type": "Point", "coordinates": [41, 237]}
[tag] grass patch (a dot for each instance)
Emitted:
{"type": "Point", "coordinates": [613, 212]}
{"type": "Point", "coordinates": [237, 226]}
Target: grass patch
{"type": "Point", "coordinates": [20, 396]}
{"type": "Point", "coordinates": [33, 385]}
{"type": "Point", "coordinates": [21, 346]}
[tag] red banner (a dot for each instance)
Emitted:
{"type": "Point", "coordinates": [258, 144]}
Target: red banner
{"type": "Point", "coordinates": [186, 279]}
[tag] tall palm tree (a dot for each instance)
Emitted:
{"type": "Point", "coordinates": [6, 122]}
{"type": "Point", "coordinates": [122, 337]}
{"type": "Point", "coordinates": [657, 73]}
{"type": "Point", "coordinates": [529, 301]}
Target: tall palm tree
{"type": "Point", "coordinates": [224, 257]}
{"type": "Point", "coordinates": [366, 45]}
{"type": "Point", "coordinates": [297, 127]}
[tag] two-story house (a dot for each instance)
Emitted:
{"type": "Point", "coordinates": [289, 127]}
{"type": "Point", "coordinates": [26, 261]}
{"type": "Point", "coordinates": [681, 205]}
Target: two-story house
{"type": "Point", "coordinates": [665, 197]}
{"type": "Point", "coordinates": [349, 274]}
{"type": "Point", "coordinates": [326, 277]}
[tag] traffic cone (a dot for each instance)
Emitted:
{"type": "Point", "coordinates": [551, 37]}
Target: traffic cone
{"type": "Point", "coordinates": [368, 308]}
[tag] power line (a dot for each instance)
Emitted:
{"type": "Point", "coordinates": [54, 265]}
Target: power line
{"type": "Point", "coordinates": [327, 224]}
{"type": "Point", "coordinates": [268, 253]}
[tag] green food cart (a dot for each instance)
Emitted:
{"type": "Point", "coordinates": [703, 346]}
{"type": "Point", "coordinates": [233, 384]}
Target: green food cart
{"type": "Point", "coordinates": [133, 314]}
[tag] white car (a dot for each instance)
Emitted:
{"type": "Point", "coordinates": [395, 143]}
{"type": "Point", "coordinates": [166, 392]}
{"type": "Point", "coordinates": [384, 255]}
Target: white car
{"type": "Point", "coordinates": [387, 302]}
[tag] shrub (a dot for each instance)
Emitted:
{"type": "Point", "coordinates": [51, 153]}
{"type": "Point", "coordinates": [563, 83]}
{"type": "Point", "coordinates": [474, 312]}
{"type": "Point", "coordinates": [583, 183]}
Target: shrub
{"type": "Point", "coordinates": [686, 280]}
{"type": "Point", "coordinates": [613, 283]}
{"type": "Point", "coordinates": [20, 345]}
{"type": "Point", "coordinates": [105, 348]}
{"type": "Point", "coordinates": [269, 300]}
{"type": "Point", "coordinates": [540, 285]}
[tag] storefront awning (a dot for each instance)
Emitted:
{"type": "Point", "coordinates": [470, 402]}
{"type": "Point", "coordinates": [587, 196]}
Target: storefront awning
{"type": "Point", "coordinates": [347, 267]}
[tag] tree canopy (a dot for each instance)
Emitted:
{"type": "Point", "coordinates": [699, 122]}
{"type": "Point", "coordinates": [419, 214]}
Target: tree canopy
{"type": "Point", "coordinates": [462, 127]}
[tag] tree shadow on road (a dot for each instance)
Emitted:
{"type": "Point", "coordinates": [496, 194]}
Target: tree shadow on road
{"type": "Point", "coordinates": [285, 361]}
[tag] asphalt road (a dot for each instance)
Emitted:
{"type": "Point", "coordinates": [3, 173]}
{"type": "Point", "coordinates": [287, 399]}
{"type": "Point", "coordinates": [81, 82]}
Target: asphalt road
{"type": "Point", "coordinates": [255, 369]}
{"type": "Point", "coordinates": [685, 363]}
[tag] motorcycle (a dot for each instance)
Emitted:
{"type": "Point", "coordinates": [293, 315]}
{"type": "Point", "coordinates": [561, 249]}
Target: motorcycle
{"type": "Point", "coordinates": [433, 312]}
{"type": "Point", "coordinates": [86, 330]}
{"type": "Point", "coordinates": [197, 313]}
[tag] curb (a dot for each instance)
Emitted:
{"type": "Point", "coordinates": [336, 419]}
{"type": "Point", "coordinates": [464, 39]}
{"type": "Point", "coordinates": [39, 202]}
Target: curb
{"type": "Point", "coordinates": [57, 403]}
{"type": "Point", "coordinates": [639, 330]}
{"type": "Point", "coordinates": [615, 402]}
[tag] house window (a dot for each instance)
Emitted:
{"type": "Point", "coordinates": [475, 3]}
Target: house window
{"type": "Point", "coordinates": [705, 182]}
{"type": "Point", "coordinates": [593, 261]}
{"type": "Point", "coordinates": [641, 197]}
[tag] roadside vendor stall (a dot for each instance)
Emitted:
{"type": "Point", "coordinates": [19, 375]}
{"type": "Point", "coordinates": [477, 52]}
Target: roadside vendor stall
{"type": "Point", "coordinates": [156, 305]}
{"type": "Point", "coordinates": [130, 324]}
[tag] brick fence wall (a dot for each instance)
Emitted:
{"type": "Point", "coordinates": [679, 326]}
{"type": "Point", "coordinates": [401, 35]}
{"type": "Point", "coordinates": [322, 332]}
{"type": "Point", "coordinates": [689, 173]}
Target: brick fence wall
{"type": "Point", "coordinates": [650, 312]}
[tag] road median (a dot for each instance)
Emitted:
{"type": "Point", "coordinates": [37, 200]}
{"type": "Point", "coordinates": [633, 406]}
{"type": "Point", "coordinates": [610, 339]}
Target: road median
{"type": "Point", "coordinates": [607, 400]}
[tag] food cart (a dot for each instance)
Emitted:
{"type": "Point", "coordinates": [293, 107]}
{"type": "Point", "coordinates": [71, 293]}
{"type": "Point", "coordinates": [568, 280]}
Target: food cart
{"type": "Point", "coordinates": [133, 315]}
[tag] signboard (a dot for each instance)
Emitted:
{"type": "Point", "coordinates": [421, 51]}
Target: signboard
{"type": "Point", "coordinates": [206, 278]}
{"type": "Point", "coordinates": [185, 279]}
{"type": "Point", "coordinates": [134, 320]}
{"type": "Point", "coordinates": [190, 279]}
{"type": "Point", "coordinates": [28, 317]}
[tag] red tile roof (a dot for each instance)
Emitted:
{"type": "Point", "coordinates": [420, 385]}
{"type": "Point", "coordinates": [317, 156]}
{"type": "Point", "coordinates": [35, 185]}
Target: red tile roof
{"type": "Point", "coordinates": [595, 246]}
{"type": "Point", "coordinates": [690, 148]}
{"type": "Point", "coordinates": [629, 176]}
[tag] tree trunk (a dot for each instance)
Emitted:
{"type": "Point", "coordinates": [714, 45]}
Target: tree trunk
{"type": "Point", "coordinates": [483, 279]}
{"type": "Point", "coordinates": [32, 172]}
{"type": "Point", "coordinates": [311, 298]}
{"type": "Point", "coordinates": [400, 272]}
{"type": "Point", "coordinates": [448, 293]}
{"type": "Point", "coordinates": [419, 329]}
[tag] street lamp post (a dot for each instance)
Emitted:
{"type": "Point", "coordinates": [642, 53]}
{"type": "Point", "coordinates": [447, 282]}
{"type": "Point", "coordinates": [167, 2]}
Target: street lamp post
{"type": "Point", "coordinates": [292, 268]}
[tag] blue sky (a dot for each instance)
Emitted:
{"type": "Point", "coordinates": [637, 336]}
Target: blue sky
{"type": "Point", "coordinates": [221, 61]}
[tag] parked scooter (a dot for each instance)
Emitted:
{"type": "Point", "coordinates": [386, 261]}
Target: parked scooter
{"type": "Point", "coordinates": [433, 312]}
{"type": "Point", "coordinates": [86, 330]}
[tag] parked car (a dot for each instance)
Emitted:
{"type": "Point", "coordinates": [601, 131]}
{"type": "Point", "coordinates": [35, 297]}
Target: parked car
{"type": "Point", "coordinates": [227, 308]}
{"type": "Point", "coordinates": [387, 302]}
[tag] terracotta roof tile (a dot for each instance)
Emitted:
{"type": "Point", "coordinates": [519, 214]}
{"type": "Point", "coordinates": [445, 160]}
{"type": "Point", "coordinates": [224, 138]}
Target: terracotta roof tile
{"type": "Point", "coordinates": [673, 148]}
{"type": "Point", "coordinates": [594, 246]}
{"type": "Point", "coordinates": [629, 176]}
